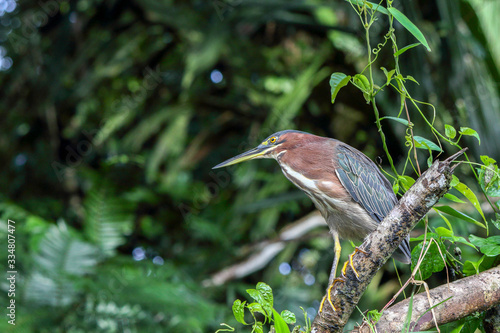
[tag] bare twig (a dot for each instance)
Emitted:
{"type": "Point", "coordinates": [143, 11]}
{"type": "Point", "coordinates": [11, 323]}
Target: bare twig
{"type": "Point", "coordinates": [265, 251]}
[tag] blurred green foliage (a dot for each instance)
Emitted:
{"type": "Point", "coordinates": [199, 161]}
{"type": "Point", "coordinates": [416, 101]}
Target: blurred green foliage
{"type": "Point", "coordinates": [114, 112]}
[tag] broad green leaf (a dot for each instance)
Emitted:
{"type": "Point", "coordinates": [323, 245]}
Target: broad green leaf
{"type": "Point", "coordinates": [412, 28]}
{"type": "Point", "coordinates": [423, 143]}
{"type": "Point", "coordinates": [466, 191]}
{"type": "Point", "coordinates": [406, 48]}
{"type": "Point", "coordinates": [238, 311]}
{"type": "Point", "coordinates": [362, 83]}
{"type": "Point", "coordinates": [461, 240]}
{"type": "Point", "coordinates": [399, 120]}
{"type": "Point", "coordinates": [453, 198]}
{"type": "Point", "coordinates": [453, 212]}
{"type": "Point", "coordinates": [371, 5]}
{"type": "Point", "coordinates": [454, 181]}
{"type": "Point", "coordinates": [279, 324]}
{"type": "Point", "coordinates": [254, 294]}
{"type": "Point", "coordinates": [422, 236]}
{"type": "Point", "coordinates": [470, 132]}
{"type": "Point", "coordinates": [450, 131]}
{"type": "Point", "coordinates": [288, 317]}
{"type": "Point", "coordinates": [472, 267]}
{"type": "Point", "coordinates": [337, 81]}
{"type": "Point", "coordinates": [490, 246]}
{"type": "Point", "coordinates": [443, 232]}
{"type": "Point", "coordinates": [256, 307]}
{"type": "Point", "coordinates": [266, 296]}
{"type": "Point", "coordinates": [459, 328]}
{"type": "Point", "coordinates": [406, 181]}
{"type": "Point", "coordinates": [431, 263]}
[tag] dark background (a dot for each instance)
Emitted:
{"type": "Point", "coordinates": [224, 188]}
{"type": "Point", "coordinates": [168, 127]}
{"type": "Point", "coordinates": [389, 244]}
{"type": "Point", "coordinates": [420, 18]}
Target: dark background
{"type": "Point", "coordinates": [114, 112]}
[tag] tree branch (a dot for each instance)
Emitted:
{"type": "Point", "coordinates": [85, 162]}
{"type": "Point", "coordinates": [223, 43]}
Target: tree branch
{"type": "Point", "coordinates": [462, 298]}
{"type": "Point", "coordinates": [263, 252]}
{"type": "Point", "coordinates": [380, 244]}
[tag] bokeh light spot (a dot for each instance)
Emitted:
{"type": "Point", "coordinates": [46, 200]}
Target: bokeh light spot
{"type": "Point", "coordinates": [216, 76]}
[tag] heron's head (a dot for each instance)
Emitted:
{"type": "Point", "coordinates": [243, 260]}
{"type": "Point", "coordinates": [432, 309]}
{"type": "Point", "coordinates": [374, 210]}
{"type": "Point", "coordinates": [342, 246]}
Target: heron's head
{"type": "Point", "coordinates": [271, 147]}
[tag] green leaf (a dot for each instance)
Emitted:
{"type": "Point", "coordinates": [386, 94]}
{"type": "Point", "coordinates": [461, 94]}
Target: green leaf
{"type": "Point", "coordinates": [487, 160]}
{"type": "Point", "coordinates": [453, 198]}
{"type": "Point", "coordinates": [412, 28]}
{"type": "Point", "coordinates": [444, 219]}
{"type": "Point", "coordinates": [256, 307]}
{"type": "Point", "coordinates": [399, 120]}
{"type": "Point", "coordinates": [431, 263]}
{"type": "Point", "coordinates": [454, 181]}
{"type": "Point", "coordinates": [490, 246]}
{"type": "Point", "coordinates": [411, 78]}
{"type": "Point", "coordinates": [496, 221]}
{"type": "Point", "coordinates": [395, 188]}
{"type": "Point", "coordinates": [337, 81]}
{"type": "Point", "coordinates": [257, 327]}
{"type": "Point", "coordinates": [443, 232]}
{"type": "Point", "coordinates": [406, 48]}
{"type": "Point", "coordinates": [406, 182]}
{"type": "Point", "coordinates": [453, 212]}
{"type": "Point", "coordinates": [288, 317]}
{"type": "Point", "coordinates": [461, 240]}
{"type": "Point", "coordinates": [472, 267]}
{"type": "Point", "coordinates": [362, 83]}
{"type": "Point", "coordinates": [388, 75]}
{"type": "Point", "coordinates": [371, 5]}
{"type": "Point", "coordinates": [466, 191]}
{"type": "Point", "coordinates": [279, 324]}
{"type": "Point", "coordinates": [266, 296]}
{"type": "Point", "coordinates": [422, 236]}
{"type": "Point", "coordinates": [423, 143]}
{"type": "Point", "coordinates": [470, 132]}
{"type": "Point", "coordinates": [108, 218]}
{"type": "Point", "coordinates": [374, 316]}
{"type": "Point", "coordinates": [489, 178]}
{"type": "Point", "coordinates": [59, 260]}
{"type": "Point", "coordinates": [450, 131]}
{"type": "Point", "coordinates": [239, 311]}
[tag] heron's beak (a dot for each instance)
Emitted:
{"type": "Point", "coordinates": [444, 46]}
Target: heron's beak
{"type": "Point", "coordinates": [257, 152]}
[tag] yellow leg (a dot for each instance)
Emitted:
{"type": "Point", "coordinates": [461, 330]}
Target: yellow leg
{"type": "Point", "coordinates": [333, 279]}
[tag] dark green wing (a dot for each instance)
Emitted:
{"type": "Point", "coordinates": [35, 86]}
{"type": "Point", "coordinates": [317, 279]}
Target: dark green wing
{"type": "Point", "coordinates": [365, 183]}
{"type": "Point", "coordinates": [368, 187]}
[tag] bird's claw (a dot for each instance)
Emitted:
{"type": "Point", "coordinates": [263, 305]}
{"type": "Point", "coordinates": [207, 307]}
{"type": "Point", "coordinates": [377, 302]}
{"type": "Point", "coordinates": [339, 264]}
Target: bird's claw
{"type": "Point", "coordinates": [338, 279]}
{"type": "Point", "coordinates": [356, 249]}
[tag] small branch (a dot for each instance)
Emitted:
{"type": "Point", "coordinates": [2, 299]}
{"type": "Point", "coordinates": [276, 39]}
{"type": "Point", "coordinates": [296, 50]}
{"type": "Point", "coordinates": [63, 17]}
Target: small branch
{"type": "Point", "coordinates": [475, 293]}
{"type": "Point", "coordinates": [381, 243]}
{"type": "Point", "coordinates": [265, 251]}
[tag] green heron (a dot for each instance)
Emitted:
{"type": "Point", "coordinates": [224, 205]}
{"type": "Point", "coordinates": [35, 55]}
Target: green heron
{"type": "Point", "coordinates": [345, 185]}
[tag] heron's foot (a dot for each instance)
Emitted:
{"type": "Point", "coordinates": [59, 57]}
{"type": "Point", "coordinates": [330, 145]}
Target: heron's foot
{"type": "Point", "coordinates": [329, 295]}
{"type": "Point", "coordinates": [356, 249]}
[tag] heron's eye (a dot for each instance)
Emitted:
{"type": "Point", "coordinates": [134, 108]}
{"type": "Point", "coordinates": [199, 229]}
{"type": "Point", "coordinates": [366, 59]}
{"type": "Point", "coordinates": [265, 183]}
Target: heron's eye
{"type": "Point", "coordinates": [272, 140]}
